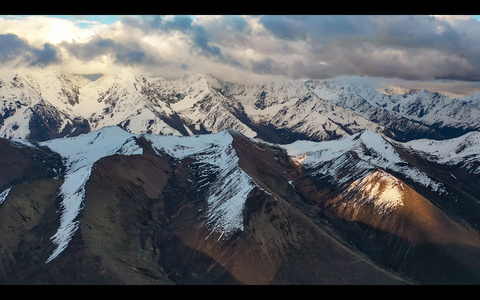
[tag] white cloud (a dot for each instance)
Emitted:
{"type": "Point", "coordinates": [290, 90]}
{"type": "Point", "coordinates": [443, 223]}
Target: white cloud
{"type": "Point", "coordinates": [38, 30]}
{"type": "Point", "coordinates": [261, 47]}
{"type": "Point", "coordinates": [453, 18]}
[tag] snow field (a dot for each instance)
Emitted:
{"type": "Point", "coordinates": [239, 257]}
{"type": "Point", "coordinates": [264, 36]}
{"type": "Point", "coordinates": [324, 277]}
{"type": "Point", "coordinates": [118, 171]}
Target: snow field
{"type": "Point", "coordinates": [462, 150]}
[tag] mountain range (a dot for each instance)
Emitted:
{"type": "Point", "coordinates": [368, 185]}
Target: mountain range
{"type": "Point", "coordinates": [48, 103]}
{"type": "Point", "coordinates": [135, 180]}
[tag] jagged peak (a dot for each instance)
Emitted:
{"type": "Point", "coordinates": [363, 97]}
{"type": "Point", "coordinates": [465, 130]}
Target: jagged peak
{"type": "Point", "coordinates": [427, 93]}
{"type": "Point", "coordinates": [463, 150]}
{"type": "Point", "coordinates": [124, 75]}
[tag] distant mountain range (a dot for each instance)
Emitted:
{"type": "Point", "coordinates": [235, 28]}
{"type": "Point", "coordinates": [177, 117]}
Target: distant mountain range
{"type": "Point", "coordinates": [46, 104]}
{"type": "Point", "coordinates": [135, 180]}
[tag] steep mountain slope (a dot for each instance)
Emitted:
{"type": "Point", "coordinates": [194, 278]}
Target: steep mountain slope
{"type": "Point", "coordinates": [79, 154]}
{"type": "Point", "coordinates": [46, 104]}
{"type": "Point", "coordinates": [461, 152]}
{"type": "Point", "coordinates": [287, 111]}
{"type": "Point", "coordinates": [201, 103]}
{"type": "Point", "coordinates": [112, 207]}
{"type": "Point", "coordinates": [26, 112]}
{"type": "Point", "coordinates": [392, 206]}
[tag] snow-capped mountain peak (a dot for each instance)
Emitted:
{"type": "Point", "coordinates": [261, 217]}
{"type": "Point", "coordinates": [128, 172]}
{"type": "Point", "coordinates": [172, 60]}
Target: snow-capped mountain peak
{"type": "Point", "coordinates": [66, 105]}
{"type": "Point", "coordinates": [381, 189]}
{"type": "Point", "coordinates": [399, 91]}
{"type": "Point", "coordinates": [463, 151]}
{"type": "Point", "coordinates": [328, 158]}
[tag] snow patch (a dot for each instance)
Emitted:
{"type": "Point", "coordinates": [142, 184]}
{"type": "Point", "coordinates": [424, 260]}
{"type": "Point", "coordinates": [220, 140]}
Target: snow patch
{"type": "Point", "coordinates": [79, 154]}
{"type": "Point", "coordinates": [228, 192]}
{"type": "Point", "coordinates": [380, 188]}
{"type": "Point", "coordinates": [4, 195]}
{"type": "Point", "coordinates": [21, 143]}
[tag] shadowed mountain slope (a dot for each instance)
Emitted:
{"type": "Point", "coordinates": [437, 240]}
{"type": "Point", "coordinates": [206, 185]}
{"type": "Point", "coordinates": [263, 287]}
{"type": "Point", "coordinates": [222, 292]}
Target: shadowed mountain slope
{"type": "Point", "coordinates": [112, 207]}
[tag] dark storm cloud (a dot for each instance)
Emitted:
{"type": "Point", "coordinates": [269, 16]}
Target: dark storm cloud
{"type": "Point", "coordinates": [46, 56]}
{"type": "Point", "coordinates": [125, 53]}
{"type": "Point", "coordinates": [15, 49]}
{"type": "Point", "coordinates": [130, 57]}
{"type": "Point", "coordinates": [11, 46]}
{"type": "Point", "coordinates": [267, 66]}
{"type": "Point", "coordinates": [91, 49]}
{"type": "Point", "coordinates": [290, 28]}
{"type": "Point", "coordinates": [395, 31]}
{"type": "Point", "coordinates": [318, 28]}
{"type": "Point", "coordinates": [235, 23]}
{"type": "Point", "coordinates": [151, 23]}
{"type": "Point", "coordinates": [315, 46]}
{"type": "Point", "coordinates": [413, 47]}
{"type": "Point", "coordinates": [200, 38]}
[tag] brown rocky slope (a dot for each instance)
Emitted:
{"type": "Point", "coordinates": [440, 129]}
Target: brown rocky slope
{"type": "Point", "coordinates": [144, 221]}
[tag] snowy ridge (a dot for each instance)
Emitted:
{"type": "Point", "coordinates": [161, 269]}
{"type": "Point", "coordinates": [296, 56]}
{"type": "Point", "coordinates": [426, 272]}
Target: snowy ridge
{"type": "Point", "coordinates": [79, 154]}
{"type": "Point", "coordinates": [4, 194]}
{"type": "Point", "coordinates": [374, 151]}
{"type": "Point", "coordinates": [200, 103]}
{"type": "Point", "coordinates": [22, 91]}
{"type": "Point", "coordinates": [362, 161]}
{"type": "Point", "coordinates": [228, 192]}
{"type": "Point", "coordinates": [124, 99]}
{"type": "Point", "coordinates": [464, 150]}
{"type": "Point", "coordinates": [418, 105]}
{"type": "Point", "coordinates": [292, 106]}
{"type": "Point", "coordinates": [214, 153]}
{"type": "Point", "coordinates": [15, 109]}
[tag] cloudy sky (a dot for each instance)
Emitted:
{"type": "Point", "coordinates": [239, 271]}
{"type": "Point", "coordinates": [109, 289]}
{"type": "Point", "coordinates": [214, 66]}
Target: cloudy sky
{"type": "Point", "coordinates": [440, 53]}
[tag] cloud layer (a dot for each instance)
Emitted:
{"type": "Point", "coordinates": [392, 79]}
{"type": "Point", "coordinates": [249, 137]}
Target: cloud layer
{"type": "Point", "coordinates": [395, 48]}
